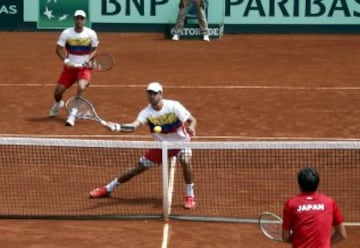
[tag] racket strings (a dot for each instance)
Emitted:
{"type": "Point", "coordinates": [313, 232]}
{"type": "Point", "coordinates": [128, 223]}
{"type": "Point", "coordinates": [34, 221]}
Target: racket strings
{"type": "Point", "coordinates": [103, 62]}
{"type": "Point", "coordinates": [272, 227]}
{"type": "Point", "coordinates": [84, 110]}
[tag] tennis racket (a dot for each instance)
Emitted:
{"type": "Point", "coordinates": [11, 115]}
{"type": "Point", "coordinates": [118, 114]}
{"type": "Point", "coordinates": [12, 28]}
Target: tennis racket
{"type": "Point", "coordinates": [271, 226]}
{"type": "Point", "coordinates": [86, 109]}
{"type": "Point", "coordinates": [102, 62]}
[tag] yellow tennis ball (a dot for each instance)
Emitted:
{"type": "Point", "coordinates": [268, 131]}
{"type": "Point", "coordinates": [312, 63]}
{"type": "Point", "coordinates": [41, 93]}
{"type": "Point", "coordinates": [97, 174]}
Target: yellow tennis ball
{"type": "Point", "coordinates": [157, 129]}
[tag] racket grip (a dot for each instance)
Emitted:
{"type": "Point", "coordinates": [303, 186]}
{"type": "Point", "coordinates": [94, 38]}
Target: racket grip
{"type": "Point", "coordinates": [116, 127]}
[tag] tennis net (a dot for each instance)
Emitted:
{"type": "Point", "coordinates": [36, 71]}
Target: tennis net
{"type": "Point", "coordinates": [234, 181]}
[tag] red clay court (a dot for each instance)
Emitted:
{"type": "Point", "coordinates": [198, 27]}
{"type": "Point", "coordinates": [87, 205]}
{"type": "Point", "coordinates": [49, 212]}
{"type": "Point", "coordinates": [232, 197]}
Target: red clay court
{"type": "Point", "coordinates": [242, 87]}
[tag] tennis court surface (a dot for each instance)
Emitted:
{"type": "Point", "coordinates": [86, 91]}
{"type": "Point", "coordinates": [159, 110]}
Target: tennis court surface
{"type": "Point", "coordinates": [240, 88]}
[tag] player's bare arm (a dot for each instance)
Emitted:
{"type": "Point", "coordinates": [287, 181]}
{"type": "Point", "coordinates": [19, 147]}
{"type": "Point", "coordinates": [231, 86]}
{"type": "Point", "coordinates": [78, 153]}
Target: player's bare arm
{"type": "Point", "coordinates": [286, 236]}
{"type": "Point", "coordinates": [339, 234]}
{"type": "Point", "coordinates": [61, 52]}
{"type": "Point", "coordinates": [93, 53]}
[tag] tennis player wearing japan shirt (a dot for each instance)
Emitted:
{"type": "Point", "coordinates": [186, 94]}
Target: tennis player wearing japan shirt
{"type": "Point", "coordinates": [310, 217]}
{"type": "Point", "coordinates": [177, 124]}
{"type": "Point", "coordinates": [76, 46]}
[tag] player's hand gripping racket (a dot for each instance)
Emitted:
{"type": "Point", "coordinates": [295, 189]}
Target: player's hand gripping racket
{"type": "Point", "coordinates": [86, 109]}
{"type": "Point", "coordinates": [271, 226]}
{"type": "Point", "coordinates": [101, 62]}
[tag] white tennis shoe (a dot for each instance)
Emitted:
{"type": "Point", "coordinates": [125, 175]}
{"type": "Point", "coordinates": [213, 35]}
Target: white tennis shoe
{"type": "Point", "coordinates": [206, 38]}
{"type": "Point", "coordinates": [175, 37]}
{"type": "Point", "coordinates": [56, 108]}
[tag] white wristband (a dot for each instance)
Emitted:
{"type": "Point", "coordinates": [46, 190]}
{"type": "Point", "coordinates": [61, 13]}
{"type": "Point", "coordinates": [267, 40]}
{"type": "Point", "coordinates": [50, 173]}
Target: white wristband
{"type": "Point", "coordinates": [66, 61]}
{"type": "Point", "coordinates": [116, 127]}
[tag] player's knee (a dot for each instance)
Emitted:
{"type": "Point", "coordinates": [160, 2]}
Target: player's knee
{"type": "Point", "coordinates": [83, 84]}
{"type": "Point", "coordinates": [185, 156]}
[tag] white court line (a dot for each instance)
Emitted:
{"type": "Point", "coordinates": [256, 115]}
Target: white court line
{"type": "Point", "coordinates": [165, 239]}
{"type": "Point", "coordinates": [219, 86]}
{"type": "Point", "coordinates": [147, 137]}
{"type": "Point", "coordinates": [170, 195]}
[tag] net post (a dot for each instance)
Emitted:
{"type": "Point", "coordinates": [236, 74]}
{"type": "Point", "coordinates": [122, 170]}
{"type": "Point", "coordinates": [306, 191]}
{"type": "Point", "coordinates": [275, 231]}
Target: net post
{"type": "Point", "coordinates": [165, 176]}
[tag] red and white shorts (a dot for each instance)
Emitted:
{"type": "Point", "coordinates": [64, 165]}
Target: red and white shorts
{"type": "Point", "coordinates": [71, 75]}
{"type": "Point", "coordinates": [155, 155]}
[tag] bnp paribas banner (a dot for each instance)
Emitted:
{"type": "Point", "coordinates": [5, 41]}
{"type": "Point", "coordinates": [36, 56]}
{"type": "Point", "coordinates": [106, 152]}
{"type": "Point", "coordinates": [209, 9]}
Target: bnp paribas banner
{"type": "Point", "coordinates": [292, 12]}
{"type": "Point", "coordinates": [59, 13]}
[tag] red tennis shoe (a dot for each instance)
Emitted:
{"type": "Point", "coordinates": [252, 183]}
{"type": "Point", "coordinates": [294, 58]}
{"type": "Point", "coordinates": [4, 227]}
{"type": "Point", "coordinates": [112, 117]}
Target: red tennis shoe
{"type": "Point", "coordinates": [99, 193]}
{"type": "Point", "coordinates": [189, 202]}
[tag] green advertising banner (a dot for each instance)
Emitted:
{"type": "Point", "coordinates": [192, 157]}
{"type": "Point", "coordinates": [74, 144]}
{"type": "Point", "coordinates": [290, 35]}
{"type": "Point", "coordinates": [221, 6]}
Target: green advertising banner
{"type": "Point", "coordinates": [147, 11]}
{"type": "Point", "coordinates": [147, 15]}
{"type": "Point", "coordinates": [134, 11]}
{"type": "Point", "coordinates": [59, 13]}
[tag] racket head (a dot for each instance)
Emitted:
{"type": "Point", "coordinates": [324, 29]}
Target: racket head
{"type": "Point", "coordinates": [271, 226]}
{"type": "Point", "coordinates": [102, 62]}
{"type": "Point", "coordinates": [86, 109]}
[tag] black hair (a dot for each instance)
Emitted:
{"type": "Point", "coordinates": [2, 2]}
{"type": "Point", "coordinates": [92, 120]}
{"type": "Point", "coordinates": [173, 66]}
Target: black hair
{"type": "Point", "coordinates": [308, 179]}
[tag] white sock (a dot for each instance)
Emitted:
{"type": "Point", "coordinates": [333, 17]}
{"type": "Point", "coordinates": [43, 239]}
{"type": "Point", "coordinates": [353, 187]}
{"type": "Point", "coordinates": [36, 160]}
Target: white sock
{"type": "Point", "coordinates": [111, 186]}
{"type": "Point", "coordinates": [73, 111]}
{"type": "Point", "coordinates": [190, 189]}
{"type": "Point", "coordinates": [58, 104]}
